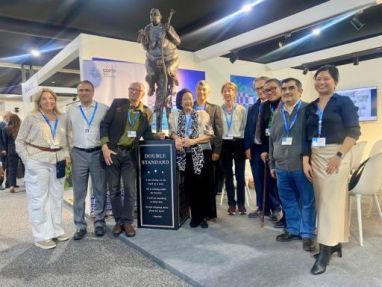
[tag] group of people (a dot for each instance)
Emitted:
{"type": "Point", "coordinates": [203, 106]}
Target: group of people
{"type": "Point", "coordinates": [10, 164]}
{"type": "Point", "coordinates": [299, 155]}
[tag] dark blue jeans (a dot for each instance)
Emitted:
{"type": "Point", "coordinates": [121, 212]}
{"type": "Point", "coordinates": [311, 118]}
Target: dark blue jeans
{"type": "Point", "coordinates": [297, 198]}
{"type": "Point", "coordinates": [233, 151]}
{"type": "Point", "coordinates": [271, 195]}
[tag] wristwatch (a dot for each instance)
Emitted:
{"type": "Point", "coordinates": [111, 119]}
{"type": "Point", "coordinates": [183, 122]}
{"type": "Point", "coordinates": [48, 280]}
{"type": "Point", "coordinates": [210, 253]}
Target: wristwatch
{"type": "Point", "coordinates": [339, 154]}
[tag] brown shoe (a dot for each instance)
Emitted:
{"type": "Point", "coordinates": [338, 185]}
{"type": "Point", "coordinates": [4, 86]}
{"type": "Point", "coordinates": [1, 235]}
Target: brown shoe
{"type": "Point", "coordinates": [12, 190]}
{"type": "Point", "coordinates": [231, 210]}
{"type": "Point", "coordinates": [129, 230]}
{"type": "Point", "coordinates": [117, 230]}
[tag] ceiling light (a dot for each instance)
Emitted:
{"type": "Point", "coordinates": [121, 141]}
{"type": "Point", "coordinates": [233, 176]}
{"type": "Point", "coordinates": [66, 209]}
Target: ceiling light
{"type": "Point", "coordinates": [357, 24]}
{"type": "Point", "coordinates": [246, 7]}
{"type": "Point", "coordinates": [306, 70]}
{"type": "Point", "coordinates": [281, 43]}
{"type": "Point", "coordinates": [316, 31]}
{"type": "Point", "coordinates": [35, 53]}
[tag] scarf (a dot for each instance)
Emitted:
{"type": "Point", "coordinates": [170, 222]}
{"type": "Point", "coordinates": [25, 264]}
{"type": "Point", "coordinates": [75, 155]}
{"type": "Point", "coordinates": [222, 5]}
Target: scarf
{"type": "Point", "coordinates": [196, 150]}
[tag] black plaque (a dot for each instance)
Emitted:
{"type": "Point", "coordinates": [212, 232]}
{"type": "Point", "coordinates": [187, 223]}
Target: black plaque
{"type": "Point", "coordinates": [158, 198]}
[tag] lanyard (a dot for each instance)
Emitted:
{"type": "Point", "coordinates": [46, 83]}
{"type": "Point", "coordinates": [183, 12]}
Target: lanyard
{"type": "Point", "coordinates": [229, 123]}
{"type": "Point", "coordinates": [91, 117]}
{"type": "Point", "coordinates": [132, 123]}
{"type": "Point", "coordinates": [53, 129]}
{"type": "Point", "coordinates": [293, 121]}
{"type": "Point", "coordinates": [271, 117]}
{"type": "Point", "coordinates": [200, 108]}
{"type": "Point", "coordinates": [188, 124]}
{"type": "Point", "coordinates": [320, 115]}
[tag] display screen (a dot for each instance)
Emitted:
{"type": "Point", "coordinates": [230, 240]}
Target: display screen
{"type": "Point", "coordinates": [366, 101]}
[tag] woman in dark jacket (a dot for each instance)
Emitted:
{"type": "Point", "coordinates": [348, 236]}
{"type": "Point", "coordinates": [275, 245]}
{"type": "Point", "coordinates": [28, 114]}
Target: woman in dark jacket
{"type": "Point", "coordinates": [9, 136]}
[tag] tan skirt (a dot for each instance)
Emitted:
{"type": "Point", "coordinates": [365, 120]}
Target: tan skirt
{"type": "Point", "coordinates": [331, 193]}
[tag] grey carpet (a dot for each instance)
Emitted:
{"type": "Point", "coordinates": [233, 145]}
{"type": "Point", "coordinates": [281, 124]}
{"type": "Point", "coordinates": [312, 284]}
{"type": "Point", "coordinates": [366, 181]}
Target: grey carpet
{"type": "Point", "coordinates": [90, 262]}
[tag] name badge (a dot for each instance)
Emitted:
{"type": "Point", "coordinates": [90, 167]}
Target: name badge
{"type": "Point", "coordinates": [228, 137]}
{"type": "Point", "coordinates": [268, 132]}
{"type": "Point", "coordinates": [132, 134]}
{"type": "Point", "coordinates": [54, 146]}
{"type": "Point", "coordinates": [286, 141]}
{"type": "Point", "coordinates": [87, 130]}
{"type": "Point", "coordinates": [318, 142]}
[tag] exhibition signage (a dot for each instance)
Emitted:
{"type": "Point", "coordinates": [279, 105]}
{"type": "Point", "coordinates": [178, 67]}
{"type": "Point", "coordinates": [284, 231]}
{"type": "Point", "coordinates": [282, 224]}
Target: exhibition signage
{"type": "Point", "coordinates": [158, 198]}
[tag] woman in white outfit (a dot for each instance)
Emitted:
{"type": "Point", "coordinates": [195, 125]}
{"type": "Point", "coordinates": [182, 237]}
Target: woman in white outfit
{"type": "Point", "coordinates": [41, 144]}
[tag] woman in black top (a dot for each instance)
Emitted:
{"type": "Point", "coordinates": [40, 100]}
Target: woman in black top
{"type": "Point", "coordinates": [332, 128]}
{"type": "Point", "coordinates": [9, 136]}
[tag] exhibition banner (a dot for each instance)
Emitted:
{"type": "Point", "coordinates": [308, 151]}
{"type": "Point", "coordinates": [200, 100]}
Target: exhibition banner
{"type": "Point", "coordinates": [157, 185]}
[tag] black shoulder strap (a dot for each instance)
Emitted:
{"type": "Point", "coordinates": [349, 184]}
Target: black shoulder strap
{"type": "Point", "coordinates": [357, 175]}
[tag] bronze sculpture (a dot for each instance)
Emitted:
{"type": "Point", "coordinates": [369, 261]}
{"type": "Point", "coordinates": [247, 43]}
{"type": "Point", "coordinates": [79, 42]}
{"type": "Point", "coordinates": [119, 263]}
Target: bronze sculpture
{"type": "Point", "coordinates": [162, 60]}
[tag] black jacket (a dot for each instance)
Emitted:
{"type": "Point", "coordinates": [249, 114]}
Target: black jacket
{"type": "Point", "coordinates": [113, 124]}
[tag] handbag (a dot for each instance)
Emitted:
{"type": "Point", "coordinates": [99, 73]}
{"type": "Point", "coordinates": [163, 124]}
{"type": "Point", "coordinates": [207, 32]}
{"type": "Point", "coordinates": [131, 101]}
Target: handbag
{"type": "Point", "coordinates": [60, 168]}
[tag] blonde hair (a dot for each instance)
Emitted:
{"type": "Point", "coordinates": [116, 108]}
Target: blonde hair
{"type": "Point", "coordinates": [231, 85]}
{"type": "Point", "coordinates": [37, 106]}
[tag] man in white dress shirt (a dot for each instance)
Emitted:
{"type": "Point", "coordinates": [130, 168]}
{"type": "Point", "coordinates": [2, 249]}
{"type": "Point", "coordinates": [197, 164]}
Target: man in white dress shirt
{"type": "Point", "coordinates": [83, 122]}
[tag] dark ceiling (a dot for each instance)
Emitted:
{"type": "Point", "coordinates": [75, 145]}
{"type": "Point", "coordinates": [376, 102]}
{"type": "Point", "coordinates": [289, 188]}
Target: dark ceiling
{"type": "Point", "coordinates": [50, 25]}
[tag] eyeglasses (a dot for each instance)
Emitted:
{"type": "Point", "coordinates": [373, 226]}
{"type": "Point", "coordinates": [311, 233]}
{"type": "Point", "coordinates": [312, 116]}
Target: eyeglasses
{"type": "Point", "coordinates": [270, 90]}
{"type": "Point", "coordinates": [135, 90]}
{"type": "Point", "coordinates": [259, 89]}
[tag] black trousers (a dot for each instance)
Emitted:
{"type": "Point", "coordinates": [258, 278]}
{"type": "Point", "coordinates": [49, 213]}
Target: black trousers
{"type": "Point", "coordinates": [199, 189]}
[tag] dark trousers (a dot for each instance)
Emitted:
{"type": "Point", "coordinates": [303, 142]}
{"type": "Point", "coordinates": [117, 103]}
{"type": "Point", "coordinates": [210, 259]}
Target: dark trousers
{"type": "Point", "coordinates": [199, 189]}
{"type": "Point", "coordinates": [233, 151]}
{"type": "Point", "coordinates": [13, 162]}
{"type": "Point", "coordinates": [272, 200]}
{"type": "Point", "coordinates": [218, 175]}
{"type": "Point", "coordinates": [124, 165]}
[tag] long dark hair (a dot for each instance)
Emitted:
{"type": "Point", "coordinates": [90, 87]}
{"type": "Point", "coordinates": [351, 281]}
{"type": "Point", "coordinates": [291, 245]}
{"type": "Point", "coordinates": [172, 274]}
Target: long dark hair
{"type": "Point", "coordinates": [13, 125]}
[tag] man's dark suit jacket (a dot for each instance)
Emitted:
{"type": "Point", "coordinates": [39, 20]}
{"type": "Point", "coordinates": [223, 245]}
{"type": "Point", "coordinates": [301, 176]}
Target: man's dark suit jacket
{"type": "Point", "coordinates": [217, 125]}
{"type": "Point", "coordinates": [250, 126]}
{"type": "Point", "coordinates": [113, 124]}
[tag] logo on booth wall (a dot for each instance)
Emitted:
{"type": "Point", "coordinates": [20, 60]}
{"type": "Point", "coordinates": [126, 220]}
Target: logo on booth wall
{"type": "Point", "coordinates": [109, 72]}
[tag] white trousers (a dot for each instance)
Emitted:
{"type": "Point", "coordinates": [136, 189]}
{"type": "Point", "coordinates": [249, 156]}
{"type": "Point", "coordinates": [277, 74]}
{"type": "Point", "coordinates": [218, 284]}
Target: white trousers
{"type": "Point", "coordinates": [45, 195]}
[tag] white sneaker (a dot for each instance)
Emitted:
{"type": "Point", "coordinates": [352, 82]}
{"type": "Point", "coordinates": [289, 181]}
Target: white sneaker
{"type": "Point", "coordinates": [61, 238]}
{"type": "Point", "coordinates": [45, 244]}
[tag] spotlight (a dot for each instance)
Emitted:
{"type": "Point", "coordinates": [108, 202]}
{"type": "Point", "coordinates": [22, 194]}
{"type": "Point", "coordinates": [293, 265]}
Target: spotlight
{"type": "Point", "coordinates": [316, 31]}
{"type": "Point", "coordinates": [356, 61]}
{"type": "Point", "coordinates": [35, 53]}
{"type": "Point", "coordinates": [234, 56]}
{"type": "Point", "coordinates": [74, 98]}
{"type": "Point", "coordinates": [357, 24]}
{"type": "Point", "coordinates": [246, 8]}
{"type": "Point", "coordinates": [306, 70]}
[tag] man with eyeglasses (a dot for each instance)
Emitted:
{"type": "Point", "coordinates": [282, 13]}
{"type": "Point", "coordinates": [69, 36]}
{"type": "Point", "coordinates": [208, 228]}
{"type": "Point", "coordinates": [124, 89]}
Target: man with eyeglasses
{"type": "Point", "coordinates": [285, 149]}
{"type": "Point", "coordinates": [124, 124]}
{"type": "Point", "coordinates": [252, 148]}
{"type": "Point", "coordinates": [272, 88]}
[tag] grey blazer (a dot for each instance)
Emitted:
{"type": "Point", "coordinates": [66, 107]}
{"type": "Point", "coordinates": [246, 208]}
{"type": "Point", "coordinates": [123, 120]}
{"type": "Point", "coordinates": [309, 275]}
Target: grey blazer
{"type": "Point", "coordinates": [215, 114]}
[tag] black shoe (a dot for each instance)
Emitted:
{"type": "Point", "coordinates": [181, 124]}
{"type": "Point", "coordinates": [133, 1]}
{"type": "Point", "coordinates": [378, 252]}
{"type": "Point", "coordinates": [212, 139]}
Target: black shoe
{"type": "Point", "coordinates": [279, 224]}
{"type": "Point", "coordinates": [193, 224]}
{"type": "Point", "coordinates": [334, 249]}
{"type": "Point", "coordinates": [286, 237]}
{"type": "Point", "coordinates": [79, 234]}
{"type": "Point", "coordinates": [204, 224]}
{"type": "Point", "coordinates": [308, 244]}
{"type": "Point", "coordinates": [322, 261]}
{"type": "Point", "coordinates": [99, 231]}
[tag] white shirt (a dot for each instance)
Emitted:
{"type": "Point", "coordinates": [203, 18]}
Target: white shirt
{"type": "Point", "coordinates": [80, 134]}
{"type": "Point", "coordinates": [239, 120]}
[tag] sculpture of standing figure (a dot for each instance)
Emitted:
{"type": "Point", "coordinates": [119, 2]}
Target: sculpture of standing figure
{"type": "Point", "coordinates": [162, 60]}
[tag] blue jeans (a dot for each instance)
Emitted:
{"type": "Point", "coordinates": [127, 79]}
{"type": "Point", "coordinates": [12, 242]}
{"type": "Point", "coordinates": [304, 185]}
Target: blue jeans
{"type": "Point", "coordinates": [297, 199]}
